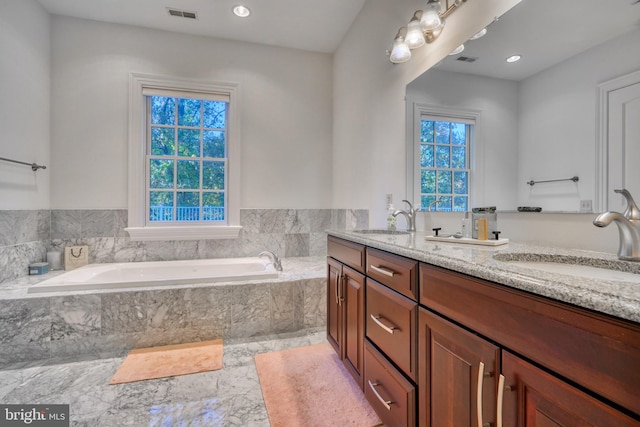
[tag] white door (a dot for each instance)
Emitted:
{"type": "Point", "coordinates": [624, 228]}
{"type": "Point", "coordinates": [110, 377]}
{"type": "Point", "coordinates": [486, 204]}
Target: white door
{"type": "Point", "coordinates": [623, 129]}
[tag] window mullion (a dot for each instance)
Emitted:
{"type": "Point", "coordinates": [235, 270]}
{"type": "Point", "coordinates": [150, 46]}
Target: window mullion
{"type": "Point", "coordinates": [176, 134]}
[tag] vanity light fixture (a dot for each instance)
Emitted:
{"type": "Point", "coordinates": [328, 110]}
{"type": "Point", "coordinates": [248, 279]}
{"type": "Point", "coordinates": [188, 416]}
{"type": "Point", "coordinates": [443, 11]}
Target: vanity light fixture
{"type": "Point", "coordinates": [513, 58]}
{"type": "Point", "coordinates": [424, 27]}
{"type": "Point", "coordinates": [400, 52]}
{"type": "Point", "coordinates": [415, 36]}
{"type": "Point", "coordinates": [241, 11]}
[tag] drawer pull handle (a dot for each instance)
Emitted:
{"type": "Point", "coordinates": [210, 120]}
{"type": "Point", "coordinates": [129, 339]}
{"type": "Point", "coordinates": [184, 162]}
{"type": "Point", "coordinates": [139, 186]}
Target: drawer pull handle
{"type": "Point", "coordinates": [481, 375]}
{"type": "Point", "coordinates": [389, 329]}
{"type": "Point", "coordinates": [500, 399]}
{"type": "Point", "coordinates": [382, 270]}
{"type": "Point", "coordinates": [387, 403]}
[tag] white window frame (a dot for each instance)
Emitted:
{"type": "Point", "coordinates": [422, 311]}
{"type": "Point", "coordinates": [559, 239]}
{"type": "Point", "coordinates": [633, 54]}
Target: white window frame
{"type": "Point", "coordinates": [468, 116]}
{"type": "Point", "coordinates": [139, 228]}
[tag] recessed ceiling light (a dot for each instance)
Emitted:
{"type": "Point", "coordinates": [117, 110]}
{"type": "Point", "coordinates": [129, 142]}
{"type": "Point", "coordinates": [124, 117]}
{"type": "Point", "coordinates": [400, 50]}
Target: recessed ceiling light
{"type": "Point", "coordinates": [241, 11]}
{"type": "Point", "coordinates": [479, 34]}
{"type": "Point", "coordinates": [457, 50]}
{"type": "Point", "coordinates": [513, 58]}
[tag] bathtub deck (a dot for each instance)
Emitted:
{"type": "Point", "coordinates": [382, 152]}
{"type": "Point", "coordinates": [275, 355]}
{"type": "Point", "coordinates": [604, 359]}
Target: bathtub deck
{"type": "Point", "coordinates": [293, 269]}
{"type": "Point", "coordinates": [110, 323]}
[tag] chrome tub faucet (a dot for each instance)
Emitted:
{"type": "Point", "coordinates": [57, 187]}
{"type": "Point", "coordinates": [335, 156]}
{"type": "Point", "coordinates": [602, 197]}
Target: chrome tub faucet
{"type": "Point", "coordinates": [275, 261]}
{"type": "Point", "coordinates": [628, 226]}
{"type": "Point", "coordinates": [410, 215]}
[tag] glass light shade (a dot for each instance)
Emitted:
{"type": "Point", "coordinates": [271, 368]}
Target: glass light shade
{"type": "Point", "coordinates": [431, 16]}
{"type": "Point", "coordinates": [415, 38]}
{"type": "Point", "coordinates": [400, 52]}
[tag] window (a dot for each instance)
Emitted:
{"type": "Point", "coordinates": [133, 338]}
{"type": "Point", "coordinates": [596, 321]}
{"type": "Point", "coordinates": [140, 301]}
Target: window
{"type": "Point", "coordinates": [441, 155]}
{"type": "Point", "coordinates": [444, 164]}
{"type": "Point", "coordinates": [183, 162]}
{"type": "Point", "coordinates": [186, 159]}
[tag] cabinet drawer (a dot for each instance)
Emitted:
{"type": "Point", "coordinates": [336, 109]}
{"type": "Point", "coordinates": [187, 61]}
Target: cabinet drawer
{"type": "Point", "coordinates": [593, 350]}
{"type": "Point", "coordinates": [388, 392]}
{"type": "Point", "coordinates": [399, 273]}
{"type": "Point", "coordinates": [347, 252]}
{"type": "Point", "coordinates": [391, 325]}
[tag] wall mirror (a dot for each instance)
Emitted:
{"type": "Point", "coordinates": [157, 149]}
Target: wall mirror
{"type": "Point", "coordinates": [536, 119]}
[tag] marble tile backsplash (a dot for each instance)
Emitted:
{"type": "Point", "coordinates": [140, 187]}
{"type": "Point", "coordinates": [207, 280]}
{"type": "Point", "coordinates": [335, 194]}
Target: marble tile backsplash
{"type": "Point", "coordinates": [25, 236]}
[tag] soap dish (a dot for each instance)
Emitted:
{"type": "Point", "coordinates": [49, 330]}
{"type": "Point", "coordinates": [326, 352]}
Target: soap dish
{"type": "Point", "coordinates": [468, 241]}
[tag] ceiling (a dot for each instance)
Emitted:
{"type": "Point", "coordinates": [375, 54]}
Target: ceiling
{"type": "Point", "coordinates": [544, 32]}
{"type": "Point", "coordinates": [317, 26]}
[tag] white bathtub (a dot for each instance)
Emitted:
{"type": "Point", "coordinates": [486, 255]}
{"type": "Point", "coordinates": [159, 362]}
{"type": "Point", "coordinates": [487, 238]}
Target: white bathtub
{"type": "Point", "coordinates": [157, 273]}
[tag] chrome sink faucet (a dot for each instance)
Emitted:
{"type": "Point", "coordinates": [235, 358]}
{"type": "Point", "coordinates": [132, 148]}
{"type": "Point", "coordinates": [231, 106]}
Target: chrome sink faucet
{"type": "Point", "coordinates": [410, 215]}
{"type": "Point", "coordinates": [628, 225]}
{"type": "Point", "coordinates": [275, 261]}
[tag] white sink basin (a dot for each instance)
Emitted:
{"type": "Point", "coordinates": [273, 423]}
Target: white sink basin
{"type": "Point", "coordinates": [579, 271]}
{"type": "Point", "coordinates": [380, 231]}
{"type": "Point", "coordinates": [590, 268]}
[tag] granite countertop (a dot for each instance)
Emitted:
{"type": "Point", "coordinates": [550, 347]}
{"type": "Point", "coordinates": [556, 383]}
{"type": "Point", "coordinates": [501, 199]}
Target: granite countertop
{"type": "Point", "coordinates": [618, 298]}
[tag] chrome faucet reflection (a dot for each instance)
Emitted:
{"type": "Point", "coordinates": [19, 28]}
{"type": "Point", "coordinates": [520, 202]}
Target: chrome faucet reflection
{"type": "Point", "coordinates": [436, 202]}
{"type": "Point", "coordinates": [410, 215]}
{"type": "Point", "coordinates": [275, 261]}
{"type": "Point", "coordinates": [628, 225]}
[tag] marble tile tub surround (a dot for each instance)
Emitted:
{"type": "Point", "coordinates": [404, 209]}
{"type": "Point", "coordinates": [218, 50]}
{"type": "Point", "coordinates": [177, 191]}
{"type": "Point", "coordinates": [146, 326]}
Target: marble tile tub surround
{"type": "Point", "coordinates": [25, 236]}
{"type": "Point", "coordinates": [616, 298]}
{"type": "Point", "coordinates": [109, 323]}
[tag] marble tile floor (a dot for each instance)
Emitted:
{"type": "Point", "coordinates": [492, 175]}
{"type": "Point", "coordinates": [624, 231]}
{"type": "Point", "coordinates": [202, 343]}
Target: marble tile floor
{"type": "Point", "coordinates": [228, 397]}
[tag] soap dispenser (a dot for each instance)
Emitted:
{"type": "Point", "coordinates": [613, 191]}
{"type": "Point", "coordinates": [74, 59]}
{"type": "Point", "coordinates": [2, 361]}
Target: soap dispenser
{"type": "Point", "coordinates": [391, 220]}
{"type": "Point", "coordinates": [467, 231]}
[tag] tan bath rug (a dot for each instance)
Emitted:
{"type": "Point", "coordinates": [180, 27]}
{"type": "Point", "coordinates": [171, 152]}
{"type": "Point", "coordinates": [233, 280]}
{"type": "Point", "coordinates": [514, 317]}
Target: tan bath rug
{"type": "Point", "coordinates": [169, 361]}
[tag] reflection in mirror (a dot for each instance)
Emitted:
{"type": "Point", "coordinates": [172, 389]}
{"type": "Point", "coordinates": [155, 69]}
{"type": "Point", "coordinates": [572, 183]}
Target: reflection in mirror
{"type": "Point", "coordinates": [537, 118]}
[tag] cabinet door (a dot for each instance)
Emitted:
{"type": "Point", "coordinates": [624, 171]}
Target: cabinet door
{"type": "Point", "coordinates": [534, 398]}
{"type": "Point", "coordinates": [353, 342]}
{"type": "Point", "coordinates": [457, 375]}
{"type": "Point", "coordinates": [334, 305]}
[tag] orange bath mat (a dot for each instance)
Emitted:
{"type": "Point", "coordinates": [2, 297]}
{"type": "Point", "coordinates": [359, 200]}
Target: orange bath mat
{"type": "Point", "coordinates": [169, 361]}
{"type": "Point", "coordinates": [309, 386]}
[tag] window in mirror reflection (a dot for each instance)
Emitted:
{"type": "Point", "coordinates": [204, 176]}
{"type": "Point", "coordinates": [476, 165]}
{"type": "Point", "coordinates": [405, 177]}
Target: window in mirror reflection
{"type": "Point", "coordinates": [444, 164]}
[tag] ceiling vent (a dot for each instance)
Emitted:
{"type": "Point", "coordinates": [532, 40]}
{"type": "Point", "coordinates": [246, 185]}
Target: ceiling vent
{"type": "Point", "coordinates": [466, 59]}
{"type": "Point", "coordinates": [182, 13]}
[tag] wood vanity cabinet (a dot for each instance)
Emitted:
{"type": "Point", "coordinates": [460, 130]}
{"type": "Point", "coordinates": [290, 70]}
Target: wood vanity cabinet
{"type": "Point", "coordinates": [433, 347]}
{"type": "Point", "coordinates": [345, 303]}
{"type": "Point", "coordinates": [522, 359]}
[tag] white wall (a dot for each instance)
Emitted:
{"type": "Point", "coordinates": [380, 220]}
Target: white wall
{"type": "Point", "coordinates": [557, 134]}
{"type": "Point", "coordinates": [369, 104]}
{"type": "Point", "coordinates": [285, 112]}
{"type": "Point", "coordinates": [24, 104]}
{"type": "Point", "coordinates": [496, 147]}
